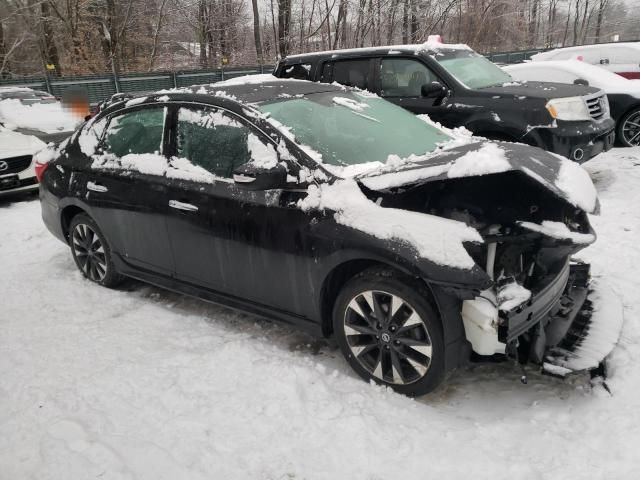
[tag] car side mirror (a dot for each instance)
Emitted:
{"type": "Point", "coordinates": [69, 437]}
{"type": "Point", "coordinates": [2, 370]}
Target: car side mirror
{"type": "Point", "coordinates": [433, 90]}
{"type": "Point", "coordinates": [252, 177]}
{"type": "Point", "coordinates": [581, 81]}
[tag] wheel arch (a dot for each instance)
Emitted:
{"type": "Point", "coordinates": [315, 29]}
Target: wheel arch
{"type": "Point", "coordinates": [66, 216]}
{"type": "Point", "coordinates": [340, 274]}
{"type": "Point", "coordinates": [446, 305]}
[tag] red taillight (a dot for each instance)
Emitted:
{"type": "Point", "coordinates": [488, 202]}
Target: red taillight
{"type": "Point", "coordinates": [40, 168]}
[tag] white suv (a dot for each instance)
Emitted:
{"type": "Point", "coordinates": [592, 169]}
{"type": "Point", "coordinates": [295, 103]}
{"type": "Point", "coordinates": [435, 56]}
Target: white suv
{"type": "Point", "coordinates": [29, 120]}
{"type": "Point", "coordinates": [621, 58]}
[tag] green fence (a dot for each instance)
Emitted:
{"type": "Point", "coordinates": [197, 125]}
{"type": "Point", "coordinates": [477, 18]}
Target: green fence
{"type": "Point", "coordinates": [99, 87]}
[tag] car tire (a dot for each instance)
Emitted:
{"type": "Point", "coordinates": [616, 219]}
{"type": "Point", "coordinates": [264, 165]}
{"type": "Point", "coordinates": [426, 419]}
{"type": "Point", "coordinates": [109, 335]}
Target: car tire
{"type": "Point", "coordinates": [91, 252]}
{"type": "Point", "coordinates": [404, 349]}
{"type": "Point", "coordinates": [628, 135]}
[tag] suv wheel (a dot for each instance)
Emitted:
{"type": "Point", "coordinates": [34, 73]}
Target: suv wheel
{"type": "Point", "coordinates": [629, 129]}
{"type": "Point", "coordinates": [389, 332]}
{"type": "Point", "coordinates": [91, 252]}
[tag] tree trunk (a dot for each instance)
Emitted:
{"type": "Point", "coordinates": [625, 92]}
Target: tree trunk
{"type": "Point", "coordinates": [284, 24]}
{"type": "Point", "coordinates": [601, 7]}
{"type": "Point", "coordinates": [256, 31]}
{"type": "Point", "coordinates": [405, 22]}
{"type": "Point", "coordinates": [202, 32]}
{"type": "Point", "coordinates": [50, 49]}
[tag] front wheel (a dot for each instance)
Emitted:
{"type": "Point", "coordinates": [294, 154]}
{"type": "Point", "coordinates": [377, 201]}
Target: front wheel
{"type": "Point", "coordinates": [389, 332]}
{"type": "Point", "coordinates": [91, 252]}
{"type": "Point", "coordinates": [629, 128]}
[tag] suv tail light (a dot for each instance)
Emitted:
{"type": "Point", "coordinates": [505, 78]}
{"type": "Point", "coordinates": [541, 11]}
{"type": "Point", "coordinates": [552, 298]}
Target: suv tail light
{"type": "Point", "coordinates": [40, 168]}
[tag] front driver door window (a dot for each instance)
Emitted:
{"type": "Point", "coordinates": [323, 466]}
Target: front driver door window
{"type": "Point", "coordinates": [401, 81]}
{"type": "Point", "coordinates": [403, 77]}
{"type": "Point", "coordinates": [212, 141]}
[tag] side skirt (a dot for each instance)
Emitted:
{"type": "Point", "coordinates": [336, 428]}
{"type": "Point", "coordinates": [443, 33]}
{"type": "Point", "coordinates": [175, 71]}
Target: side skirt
{"type": "Point", "coordinates": [229, 301]}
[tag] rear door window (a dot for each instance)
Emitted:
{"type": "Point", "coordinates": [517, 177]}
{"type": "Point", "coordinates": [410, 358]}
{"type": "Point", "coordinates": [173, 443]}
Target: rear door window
{"type": "Point", "coordinates": [353, 73]}
{"type": "Point", "coordinates": [137, 132]}
{"type": "Point", "coordinates": [212, 140]}
{"type": "Point", "coordinates": [404, 77]}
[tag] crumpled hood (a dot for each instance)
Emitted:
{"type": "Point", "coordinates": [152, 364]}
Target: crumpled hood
{"type": "Point", "coordinates": [564, 178]}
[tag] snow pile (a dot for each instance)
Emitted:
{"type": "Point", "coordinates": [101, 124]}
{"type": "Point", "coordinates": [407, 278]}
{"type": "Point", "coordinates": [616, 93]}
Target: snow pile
{"type": "Point", "coordinates": [575, 182]}
{"type": "Point", "coordinates": [489, 158]}
{"type": "Point", "coordinates": [89, 136]}
{"type": "Point", "coordinates": [183, 169]}
{"type": "Point", "coordinates": [511, 295]}
{"type": "Point", "coordinates": [147, 163]}
{"type": "Point", "coordinates": [560, 231]}
{"type": "Point", "coordinates": [602, 333]}
{"type": "Point", "coordinates": [434, 238]}
{"type": "Point", "coordinates": [253, 79]}
{"type": "Point", "coordinates": [135, 101]}
{"type": "Point", "coordinates": [350, 103]}
{"type": "Point", "coordinates": [44, 117]}
{"type": "Point", "coordinates": [262, 155]}
{"type": "Point", "coordinates": [208, 118]}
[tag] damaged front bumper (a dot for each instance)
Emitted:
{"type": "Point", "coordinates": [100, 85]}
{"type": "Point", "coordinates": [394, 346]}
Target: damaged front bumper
{"type": "Point", "coordinates": [584, 328]}
{"type": "Point", "coordinates": [570, 325]}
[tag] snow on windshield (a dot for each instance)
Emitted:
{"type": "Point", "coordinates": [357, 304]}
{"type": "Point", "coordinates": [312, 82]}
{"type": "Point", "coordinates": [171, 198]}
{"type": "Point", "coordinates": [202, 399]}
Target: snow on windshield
{"type": "Point", "coordinates": [44, 117]}
{"type": "Point", "coordinates": [437, 239]}
{"type": "Point", "coordinates": [333, 126]}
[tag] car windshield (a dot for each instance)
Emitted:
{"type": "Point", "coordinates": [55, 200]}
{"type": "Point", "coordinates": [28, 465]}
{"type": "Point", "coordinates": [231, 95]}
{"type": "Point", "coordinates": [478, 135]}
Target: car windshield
{"type": "Point", "coordinates": [349, 128]}
{"type": "Point", "coordinates": [472, 69]}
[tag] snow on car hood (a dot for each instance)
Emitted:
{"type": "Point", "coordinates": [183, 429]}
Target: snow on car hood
{"type": "Point", "coordinates": [43, 117]}
{"type": "Point", "coordinates": [564, 178]}
{"type": "Point", "coordinates": [14, 144]}
{"type": "Point", "coordinates": [437, 239]}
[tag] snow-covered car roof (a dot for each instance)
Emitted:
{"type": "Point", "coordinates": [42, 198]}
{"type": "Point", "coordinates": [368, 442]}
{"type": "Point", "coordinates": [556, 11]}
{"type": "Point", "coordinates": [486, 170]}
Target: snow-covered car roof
{"type": "Point", "coordinates": [251, 89]}
{"type": "Point", "coordinates": [596, 76]}
{"type": "Point", "coordinates": [431, 45]}
{"type": "Point", "coordinates": [548, 55]}
{"type": "Point", "coordinates": [20, 109]}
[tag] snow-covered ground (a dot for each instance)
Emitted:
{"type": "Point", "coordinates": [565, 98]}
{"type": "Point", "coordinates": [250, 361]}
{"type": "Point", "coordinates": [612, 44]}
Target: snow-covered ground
{"type": "Point", "coordinates": [144, 384]}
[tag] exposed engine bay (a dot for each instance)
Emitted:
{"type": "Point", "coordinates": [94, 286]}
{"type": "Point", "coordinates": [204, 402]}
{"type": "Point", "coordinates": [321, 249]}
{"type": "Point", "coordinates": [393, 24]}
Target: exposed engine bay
{"type": "Point", "coordinates": [537, 305]}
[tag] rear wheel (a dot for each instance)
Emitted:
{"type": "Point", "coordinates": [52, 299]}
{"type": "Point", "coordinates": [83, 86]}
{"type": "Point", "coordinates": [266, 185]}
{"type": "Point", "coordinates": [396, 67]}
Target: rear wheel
{"type": "Point", "coordinates": [629, 129]}
{"type": "Point", "coordinates": [91, 251]}
{"type": "Point", "coordinates": [389, 332]}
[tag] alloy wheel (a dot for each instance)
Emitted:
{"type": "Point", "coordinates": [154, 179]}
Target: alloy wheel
{"type": "Point", "coordinates": [388, 337]}
{"type": "Point", "coordinates": [89, 252]}
{"type": "Point", "coordinates": [631, 129]}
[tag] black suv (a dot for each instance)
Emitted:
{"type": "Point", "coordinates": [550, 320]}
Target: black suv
{"type": "Point", "coordinates": [336, 211]}
{"type": "Point", "coordinates": [458, 87]}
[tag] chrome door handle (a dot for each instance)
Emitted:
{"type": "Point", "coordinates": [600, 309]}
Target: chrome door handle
{"type": "Point", "coordinates": [182, 206]}
{"type": "Point", "coordinates": [96, 187]}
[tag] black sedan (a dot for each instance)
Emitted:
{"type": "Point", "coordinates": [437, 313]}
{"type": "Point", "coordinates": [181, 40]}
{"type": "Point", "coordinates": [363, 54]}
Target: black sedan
{"type": "Point", "coordinates": [338, 212]}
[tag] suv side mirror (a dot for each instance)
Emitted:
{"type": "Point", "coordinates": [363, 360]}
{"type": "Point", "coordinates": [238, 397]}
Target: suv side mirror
{"type": "Point", "coordinates": [252, 177]}
{"type": "Point", "coordinates": [433, 90]}
{"type": "Point", "coordinates": [581, 81]}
